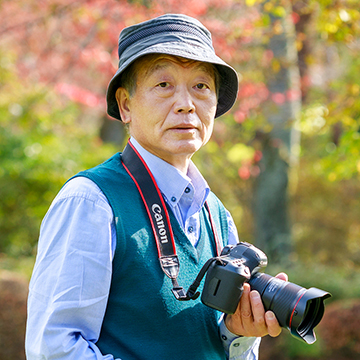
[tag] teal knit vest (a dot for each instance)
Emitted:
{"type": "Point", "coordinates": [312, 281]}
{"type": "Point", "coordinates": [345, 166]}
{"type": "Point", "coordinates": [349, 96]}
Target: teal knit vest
{"type": "Point", "coordinates": [143, 320]}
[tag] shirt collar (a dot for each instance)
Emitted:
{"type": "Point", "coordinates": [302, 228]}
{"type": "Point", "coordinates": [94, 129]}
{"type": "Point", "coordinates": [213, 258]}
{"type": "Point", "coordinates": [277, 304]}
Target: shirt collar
{"type": "Point", "coordinates": [171, 181]}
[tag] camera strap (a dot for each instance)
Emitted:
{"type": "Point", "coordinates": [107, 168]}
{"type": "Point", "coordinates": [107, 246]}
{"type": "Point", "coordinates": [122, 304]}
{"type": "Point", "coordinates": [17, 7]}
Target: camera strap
{"type": "Point", "coordinates": [156, 209]}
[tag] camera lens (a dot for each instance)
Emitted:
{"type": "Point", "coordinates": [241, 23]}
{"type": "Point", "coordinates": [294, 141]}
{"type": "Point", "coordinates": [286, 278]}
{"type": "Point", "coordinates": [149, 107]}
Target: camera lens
{"type": "Point", "coordinates": [296, 308]}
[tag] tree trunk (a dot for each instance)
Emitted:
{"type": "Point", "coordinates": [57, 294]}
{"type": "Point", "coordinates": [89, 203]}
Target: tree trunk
{"type": "Point", "coordinates": [270, 206]}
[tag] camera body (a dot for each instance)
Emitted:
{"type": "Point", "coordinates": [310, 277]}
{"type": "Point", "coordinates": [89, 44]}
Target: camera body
{"type": "Point", "coordinates": [226, 276]}
{"type": "Point", "coordinates": [296, 308]}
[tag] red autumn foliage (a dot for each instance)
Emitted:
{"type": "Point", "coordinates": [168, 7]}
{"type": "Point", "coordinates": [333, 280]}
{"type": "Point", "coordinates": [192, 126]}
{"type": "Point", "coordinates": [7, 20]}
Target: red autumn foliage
{"type": "Point", "coordinates": [340, 329]}
{"type": "Point", "coordinates": [73, 44]}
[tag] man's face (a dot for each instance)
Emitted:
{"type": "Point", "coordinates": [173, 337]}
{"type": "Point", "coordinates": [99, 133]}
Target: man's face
{"type": "Point", "coordinates": [171, 114]}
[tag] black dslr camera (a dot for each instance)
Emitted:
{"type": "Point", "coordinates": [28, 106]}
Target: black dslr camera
{"type": "Point", "coordinates": [296, 308]}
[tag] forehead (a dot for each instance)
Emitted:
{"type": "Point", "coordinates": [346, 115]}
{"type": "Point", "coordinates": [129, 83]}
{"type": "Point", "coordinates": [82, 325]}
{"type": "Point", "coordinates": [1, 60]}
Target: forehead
{"type": "Point", "coordinates": [149, 64]}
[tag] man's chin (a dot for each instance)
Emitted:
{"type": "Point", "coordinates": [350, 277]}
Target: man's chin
{"type": "Point", "coordinates": [188, 146]}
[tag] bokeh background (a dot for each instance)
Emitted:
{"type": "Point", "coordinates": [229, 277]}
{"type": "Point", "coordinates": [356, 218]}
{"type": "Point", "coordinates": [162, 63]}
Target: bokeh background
{"type": "Point", "coordinates": [285, 160]}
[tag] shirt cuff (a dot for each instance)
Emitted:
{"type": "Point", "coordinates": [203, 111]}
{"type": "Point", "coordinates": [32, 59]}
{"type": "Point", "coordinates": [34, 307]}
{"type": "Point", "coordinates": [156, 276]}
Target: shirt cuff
{"type": "Point", "coordinates": [238, 347]}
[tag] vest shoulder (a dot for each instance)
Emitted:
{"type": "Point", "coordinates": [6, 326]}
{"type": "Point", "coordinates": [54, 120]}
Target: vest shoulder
{"type": "Point", "coordinates": [215, 203]}
{"type": "Point", "coordinates": [112, 164]}
{"type": "Point", "coordinates": [110, 170]}
{"type": "Point", "coordinates": [110, 176]}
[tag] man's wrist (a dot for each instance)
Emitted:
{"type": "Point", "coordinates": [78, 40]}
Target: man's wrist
{"type": "Point", "coordinates": [227, 337]}
{"type": "Point", "coordinates": [235, 346]}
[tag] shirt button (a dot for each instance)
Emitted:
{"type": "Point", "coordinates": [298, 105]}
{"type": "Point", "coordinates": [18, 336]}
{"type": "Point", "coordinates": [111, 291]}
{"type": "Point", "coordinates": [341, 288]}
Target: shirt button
{"type": "Point", "coordinates": [187, 190]}
{"type": "Point", "coordinates": [190, 229]}
{"type": "Point", "coordinates": [173, 199]}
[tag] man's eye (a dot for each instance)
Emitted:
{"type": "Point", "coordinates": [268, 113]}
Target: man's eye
{"type": "Point", "coordinates": [163, 84]}
{"type": "Point", "coordinates": [201, 86]}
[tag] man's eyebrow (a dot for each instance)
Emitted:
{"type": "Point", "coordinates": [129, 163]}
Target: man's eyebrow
{"type": "Point", "coordinates": [207, 68]}
{"type": "Point", "coordinates": [158, 66]}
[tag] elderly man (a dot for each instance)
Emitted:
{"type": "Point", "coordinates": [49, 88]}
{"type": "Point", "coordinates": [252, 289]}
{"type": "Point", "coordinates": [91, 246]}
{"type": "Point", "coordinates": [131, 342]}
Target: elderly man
{"type": "Point", "coordinates": [98, 290]}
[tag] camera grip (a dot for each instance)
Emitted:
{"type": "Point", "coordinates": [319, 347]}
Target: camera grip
{"type": "Point", "coordinates": [224, 286]}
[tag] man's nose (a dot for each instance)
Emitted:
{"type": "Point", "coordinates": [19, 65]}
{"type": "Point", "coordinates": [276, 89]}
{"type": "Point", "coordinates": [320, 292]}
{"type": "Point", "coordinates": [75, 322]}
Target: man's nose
{"type": "Point", "coordinates": [184, 102]}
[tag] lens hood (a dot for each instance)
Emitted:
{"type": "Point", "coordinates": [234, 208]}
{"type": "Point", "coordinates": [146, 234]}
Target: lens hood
{"type": "Point", "coordinates": [307, 313]}
{"type": "Point", "coordinates": [296, 308]}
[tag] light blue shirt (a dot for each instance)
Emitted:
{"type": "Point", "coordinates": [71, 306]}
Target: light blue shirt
{"type": "Point", "coordinates": [72, 274]}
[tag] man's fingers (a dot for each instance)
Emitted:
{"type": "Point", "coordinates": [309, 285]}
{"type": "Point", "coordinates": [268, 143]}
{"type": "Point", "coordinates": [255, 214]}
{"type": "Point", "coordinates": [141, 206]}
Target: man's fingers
{"type": "Point", "coordinates": [272, 324]}
{"type": "Point", "coordinates": [245, 307]}
{"type": "Point", "coordinates": [257, 306]}
{"type": "Point", "coordinates": [282, 276]}
{"type": "Point", "coordinates": [258, 313]}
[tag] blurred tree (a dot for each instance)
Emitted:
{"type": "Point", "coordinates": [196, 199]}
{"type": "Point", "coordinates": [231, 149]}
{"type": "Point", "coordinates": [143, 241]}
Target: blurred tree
{"type": "Point", "coordinates": [40, 147]}
{"type": "Point", "coordinates": [279, 144]}
{"type": "Point", "coordinates": [325, 206]}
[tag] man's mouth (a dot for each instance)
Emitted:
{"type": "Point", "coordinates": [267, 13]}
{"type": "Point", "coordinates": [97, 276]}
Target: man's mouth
{"type": "Point", "coordinates": [184, 127]}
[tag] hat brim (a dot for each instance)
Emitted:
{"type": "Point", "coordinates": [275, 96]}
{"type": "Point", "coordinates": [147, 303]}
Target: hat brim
{"type": "Point", "coordinates": [229, 83]}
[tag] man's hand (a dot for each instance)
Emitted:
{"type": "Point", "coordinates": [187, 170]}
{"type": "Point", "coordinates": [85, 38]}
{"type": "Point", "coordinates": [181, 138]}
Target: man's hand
{"type": "Point", "coordinates": [250, 318]}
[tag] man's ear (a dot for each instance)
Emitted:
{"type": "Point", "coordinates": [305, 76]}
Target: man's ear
{"type": "Point", "coordinates": [122, 97]}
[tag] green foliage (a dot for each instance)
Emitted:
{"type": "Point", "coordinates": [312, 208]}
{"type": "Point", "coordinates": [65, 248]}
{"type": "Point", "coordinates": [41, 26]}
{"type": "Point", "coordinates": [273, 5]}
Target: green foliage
{"type": "Point", "coordinates": [343, 123]}
{"type": "Point", "coordinates": [325, 205]}
{"type": "Point", "coordinates": [41, 145]}
{"type": "Point", "coordinates": [338, 22]}
{"type": "Point", "coordinates": [21, 265]}
{"type": "Point", "coordinates": [295, 348]}
{"type": "Point", "coordinates": [342, 282]}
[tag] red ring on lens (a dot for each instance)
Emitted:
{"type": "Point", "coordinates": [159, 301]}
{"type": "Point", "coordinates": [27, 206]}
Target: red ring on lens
{"type": "Point", "coordinates": [292, 314]}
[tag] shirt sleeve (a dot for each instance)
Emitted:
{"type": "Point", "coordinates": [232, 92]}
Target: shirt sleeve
{"type": "Point", "coordinates": [237, 347]}
{"type": "Point", "coordinates": [70, 283]}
